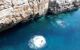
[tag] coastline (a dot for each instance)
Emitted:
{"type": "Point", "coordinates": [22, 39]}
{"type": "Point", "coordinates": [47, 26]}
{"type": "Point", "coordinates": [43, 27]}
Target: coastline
{"type": "Point", "coordinates": [56, 8]}
{"type": "Point", "coordinates": [22, 13]}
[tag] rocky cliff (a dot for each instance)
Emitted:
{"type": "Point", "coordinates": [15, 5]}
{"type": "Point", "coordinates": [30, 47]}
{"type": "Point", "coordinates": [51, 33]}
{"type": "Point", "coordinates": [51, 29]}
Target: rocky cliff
{"type": "Point", "coordinates": [59, 6]}
{"type": "Point", "coordinates": [15, 11]}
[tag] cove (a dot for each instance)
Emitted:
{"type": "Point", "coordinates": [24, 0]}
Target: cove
{"type": "Point", "coordinates": [62, 32]}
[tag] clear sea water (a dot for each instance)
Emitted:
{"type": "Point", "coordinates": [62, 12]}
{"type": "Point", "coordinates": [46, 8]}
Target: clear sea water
{"type": "Point", "coordinates": [62, 32]}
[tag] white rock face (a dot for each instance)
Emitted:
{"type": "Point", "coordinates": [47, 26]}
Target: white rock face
{"type": "Point", "coordinates": [37, 42]}
{"type": "Point", "coordinates": [15, 11]}
{"type": "Point", "coordinates": [63, 1]}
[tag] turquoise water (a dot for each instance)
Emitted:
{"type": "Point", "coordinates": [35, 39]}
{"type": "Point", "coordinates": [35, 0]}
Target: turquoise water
{"type": "Point", "coordinates": [62, 32]}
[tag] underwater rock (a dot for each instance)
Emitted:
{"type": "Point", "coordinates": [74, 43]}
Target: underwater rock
{"type": "Point", "coordinates": [37, 42]}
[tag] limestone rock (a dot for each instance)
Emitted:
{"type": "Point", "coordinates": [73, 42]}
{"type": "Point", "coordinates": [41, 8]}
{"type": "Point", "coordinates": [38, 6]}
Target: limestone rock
{"type": "Point", "coordinates": [15, 11]}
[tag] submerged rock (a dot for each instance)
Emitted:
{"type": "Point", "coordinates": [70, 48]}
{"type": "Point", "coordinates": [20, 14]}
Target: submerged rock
{"type": "Point", "coordinates": [37, 42]}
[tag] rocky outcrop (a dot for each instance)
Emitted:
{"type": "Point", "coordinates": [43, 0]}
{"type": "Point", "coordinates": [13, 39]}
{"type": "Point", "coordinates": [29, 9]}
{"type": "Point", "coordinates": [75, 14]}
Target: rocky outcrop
{"type": "Point", "coordinates": [59, 6]}
{"type": "Point", "coordinates": [15, 11]}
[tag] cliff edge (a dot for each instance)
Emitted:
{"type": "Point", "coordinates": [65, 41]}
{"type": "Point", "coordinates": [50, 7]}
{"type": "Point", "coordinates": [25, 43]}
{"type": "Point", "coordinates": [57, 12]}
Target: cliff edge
{"type": "Point", "coordinates": [15, 11]}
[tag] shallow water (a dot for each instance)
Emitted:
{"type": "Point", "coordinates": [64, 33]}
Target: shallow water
{"type": "Point", "coordinates": [62, 32]}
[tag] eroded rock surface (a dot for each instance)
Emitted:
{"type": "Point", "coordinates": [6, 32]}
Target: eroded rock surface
{"type": "Point", "coordinates": [15, 11]}
{"type": "Point", "coordinates": [59, 6]}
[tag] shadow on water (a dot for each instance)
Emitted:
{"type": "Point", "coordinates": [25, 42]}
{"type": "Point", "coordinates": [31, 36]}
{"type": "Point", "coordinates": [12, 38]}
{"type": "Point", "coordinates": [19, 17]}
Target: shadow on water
{"type": "Point", "coordinates": [13, 29]}
{"type": "Point", "coordinates": [14, 36]}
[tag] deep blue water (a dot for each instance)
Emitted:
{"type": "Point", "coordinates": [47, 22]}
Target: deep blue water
{"type": "Point", "coordinates": [59, 36]}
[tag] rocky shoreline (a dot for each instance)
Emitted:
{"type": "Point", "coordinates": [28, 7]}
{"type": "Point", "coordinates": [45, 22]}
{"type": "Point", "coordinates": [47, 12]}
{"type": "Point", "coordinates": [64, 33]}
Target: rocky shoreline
{"type": "Point", "coordinates": [14, 12]}
{"type": "Point", "coordinates": [56, 8]}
